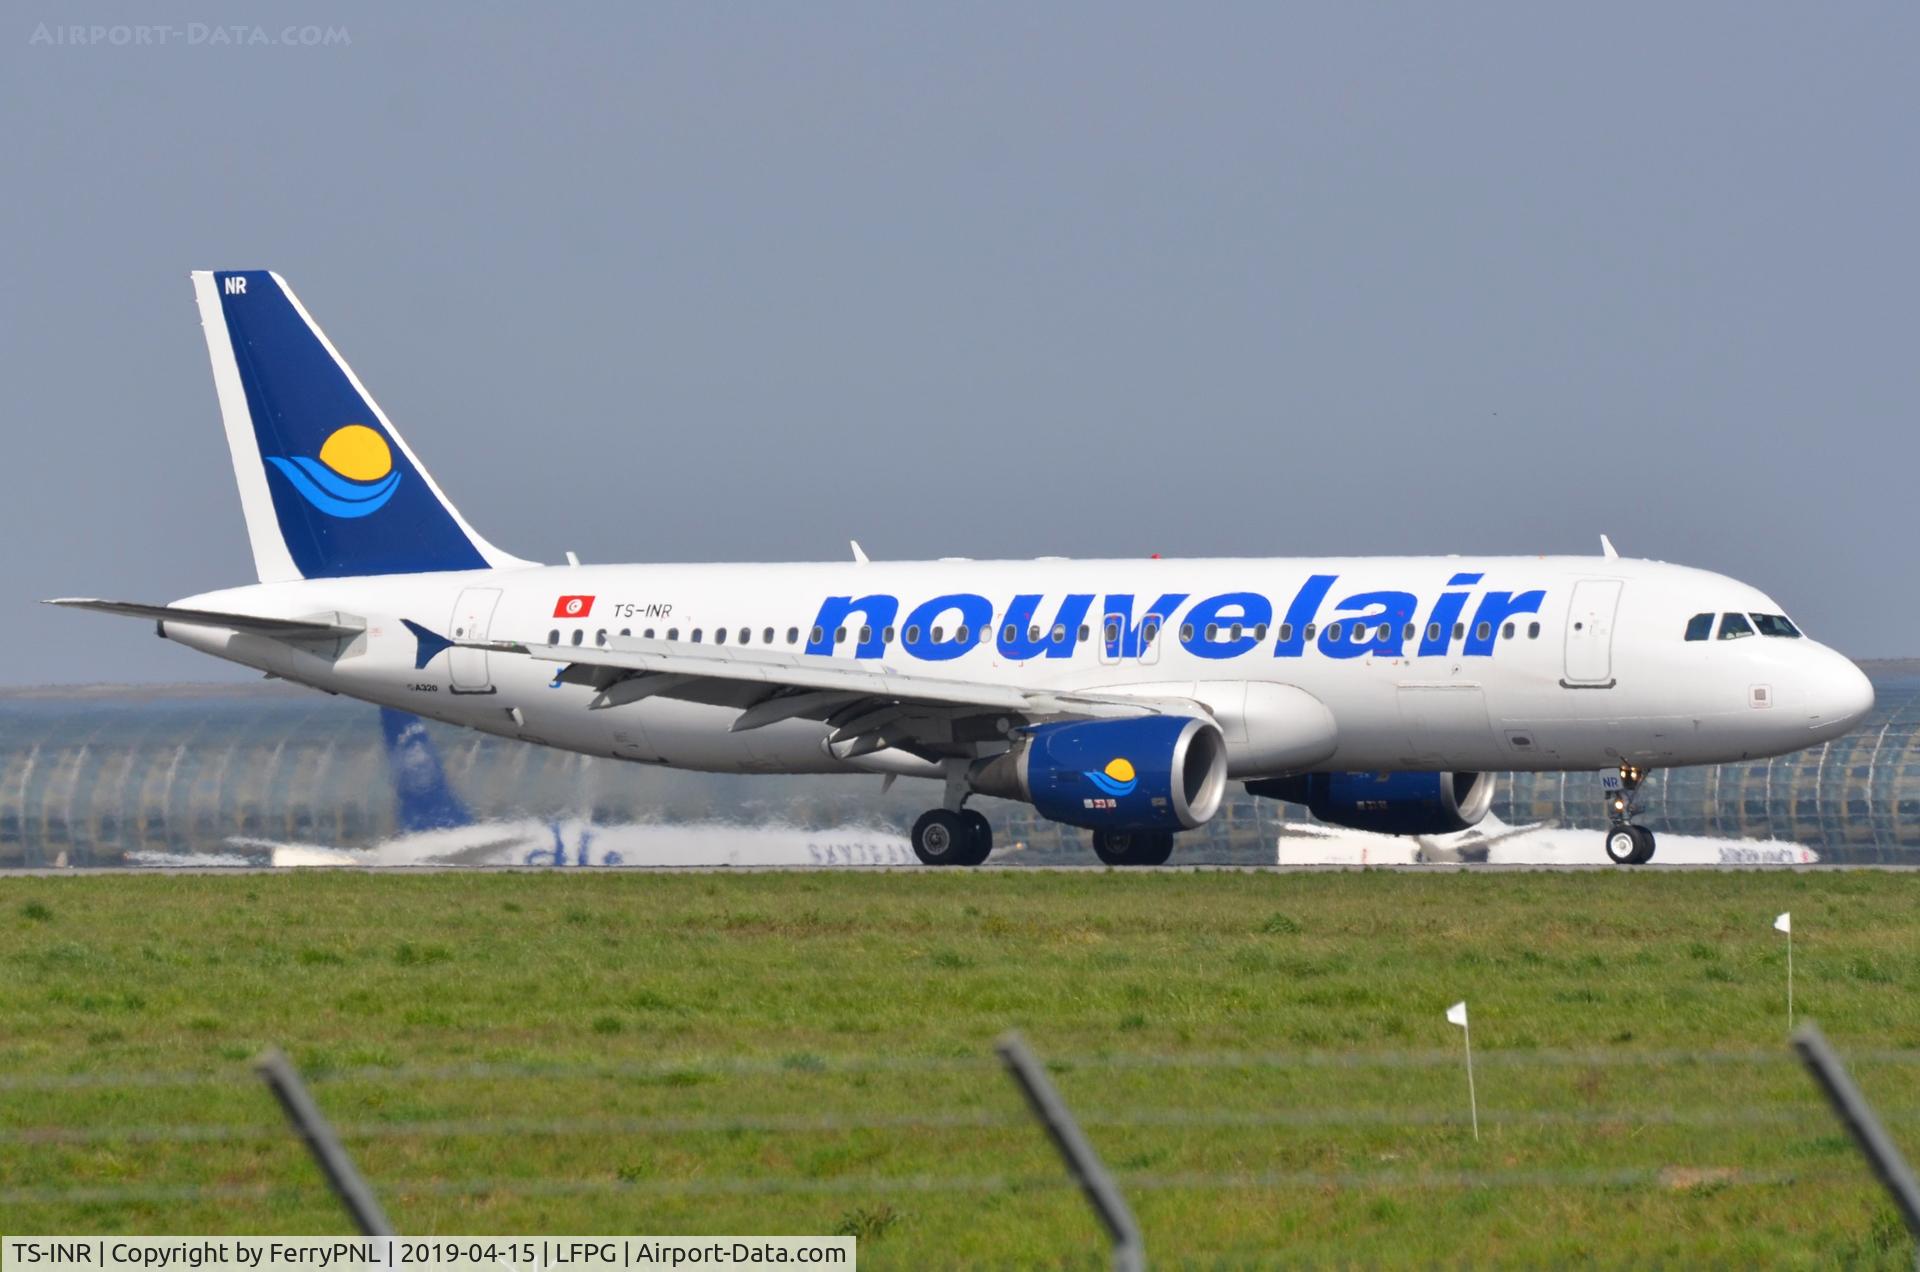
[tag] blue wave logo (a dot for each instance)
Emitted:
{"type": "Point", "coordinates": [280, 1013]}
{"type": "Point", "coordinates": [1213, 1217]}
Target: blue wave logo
{"type": "Point", "coordinates": [353, 476]}
{"type": "Point", "coordinates": [1117, 779]}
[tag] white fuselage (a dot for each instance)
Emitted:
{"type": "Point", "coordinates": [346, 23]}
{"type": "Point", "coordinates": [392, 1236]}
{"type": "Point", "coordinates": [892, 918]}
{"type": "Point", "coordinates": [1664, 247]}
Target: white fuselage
{"type": "Point", "coordinates": [1531, 663]}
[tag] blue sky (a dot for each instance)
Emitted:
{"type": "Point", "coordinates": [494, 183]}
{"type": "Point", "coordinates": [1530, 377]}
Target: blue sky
{"type": "Point", "coordinates": [739, 282]}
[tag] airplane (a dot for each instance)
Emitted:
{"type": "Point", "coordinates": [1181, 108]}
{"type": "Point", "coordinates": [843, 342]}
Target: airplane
{"type": "Point", "coordinates": [1495, 842]}
{"type": "Point", "coordinates": [434, 827]}
{"type": "Point", "coordinates": [1116, 696]}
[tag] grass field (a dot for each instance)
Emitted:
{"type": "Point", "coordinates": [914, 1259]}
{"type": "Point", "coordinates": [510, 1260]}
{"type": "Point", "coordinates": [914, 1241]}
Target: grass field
{"type": "Point", "coordinates": [1263, 1059]}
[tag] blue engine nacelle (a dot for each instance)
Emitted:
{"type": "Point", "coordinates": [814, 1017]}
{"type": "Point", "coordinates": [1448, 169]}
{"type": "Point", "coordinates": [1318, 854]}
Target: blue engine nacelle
{"type": "Point", "coordinates": [1150, 773]}
{"type": "Point", "coordinates": [1387, 803]}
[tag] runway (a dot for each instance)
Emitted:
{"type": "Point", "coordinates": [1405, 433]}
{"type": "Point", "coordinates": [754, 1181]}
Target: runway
{"type": "Point", "coordinates": [48, 872]}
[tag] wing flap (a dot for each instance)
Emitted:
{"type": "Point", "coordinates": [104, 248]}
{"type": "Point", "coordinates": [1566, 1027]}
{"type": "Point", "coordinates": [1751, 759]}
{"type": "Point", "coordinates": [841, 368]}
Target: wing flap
{"type": "Point", "coordinates": [831, 678]}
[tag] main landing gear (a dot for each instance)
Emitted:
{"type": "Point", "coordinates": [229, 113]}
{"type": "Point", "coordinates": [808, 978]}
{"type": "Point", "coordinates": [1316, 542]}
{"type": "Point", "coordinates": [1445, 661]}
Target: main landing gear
{"type": "Point", "coordinates": [1133, 847]}
{"type": "Point", "coordinates": [1627, 844]}
{"type": "Point", "coordinates": [952, 837]}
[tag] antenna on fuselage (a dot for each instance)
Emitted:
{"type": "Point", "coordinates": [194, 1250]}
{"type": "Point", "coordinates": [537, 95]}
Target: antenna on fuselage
{"type": "Point", "coordinates": [1607, 549]}
{"type": "Point", "coordinates": [859, 554]}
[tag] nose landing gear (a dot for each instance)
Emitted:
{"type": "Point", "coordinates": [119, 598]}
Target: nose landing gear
{"type": "Point", "coordinates": [1627, 844]}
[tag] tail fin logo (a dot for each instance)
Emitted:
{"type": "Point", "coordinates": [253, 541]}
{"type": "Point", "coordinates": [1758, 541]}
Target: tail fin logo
{"type": "Point", "coordinates": [352, 477]}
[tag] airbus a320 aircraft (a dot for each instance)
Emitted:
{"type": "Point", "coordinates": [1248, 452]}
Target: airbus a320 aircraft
{"type": "Point", "coordinates": [1118, 696]}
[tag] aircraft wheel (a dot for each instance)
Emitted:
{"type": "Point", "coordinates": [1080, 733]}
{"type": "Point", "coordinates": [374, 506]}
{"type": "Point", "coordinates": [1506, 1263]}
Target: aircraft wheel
{"type": "Point", "coordinates": [980, 837]}
{"type": "Point", "coordinates": [1155, 849]}
{"type": "Point", "coordinates": [1132, 847]}
{"type": "Point", "coordinates": [1623, 846]}
{"type": "Point", "coordinates": [942, 838]}
{"type": "Point", "coordinates": [1644, 853]}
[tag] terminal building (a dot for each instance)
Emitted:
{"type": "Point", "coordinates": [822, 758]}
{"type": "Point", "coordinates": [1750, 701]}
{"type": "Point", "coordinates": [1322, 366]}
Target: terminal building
{"type": "Point", "coordinates": [90, 775]}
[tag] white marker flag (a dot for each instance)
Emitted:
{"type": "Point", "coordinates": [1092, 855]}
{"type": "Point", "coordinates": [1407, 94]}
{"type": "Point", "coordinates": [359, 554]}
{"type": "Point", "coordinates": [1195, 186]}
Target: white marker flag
{"type": "Point", "coordinates": [1785, 924]}
{"type": "Point", "coordinates": [1457, 1015]}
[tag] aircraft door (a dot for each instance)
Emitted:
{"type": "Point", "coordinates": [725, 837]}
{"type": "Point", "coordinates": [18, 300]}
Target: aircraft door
{"type": "Point", "coordinates": [472, 618]}
{"type": "Point", "coordinates": [1590, 615]}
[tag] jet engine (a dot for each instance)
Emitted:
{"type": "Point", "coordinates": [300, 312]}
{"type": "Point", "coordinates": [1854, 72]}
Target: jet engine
{"type": "Point", "coordinates": [1148, 774]}
{"type": "Point", "coordinates": [1387, 803]}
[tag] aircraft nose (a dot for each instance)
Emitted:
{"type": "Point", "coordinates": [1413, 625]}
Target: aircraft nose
{"type": "Point", "coordinates": [1841, 694]}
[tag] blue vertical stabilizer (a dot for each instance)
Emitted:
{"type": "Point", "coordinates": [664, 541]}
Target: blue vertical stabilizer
{"type": "Point", "coordinates": [423, 799]}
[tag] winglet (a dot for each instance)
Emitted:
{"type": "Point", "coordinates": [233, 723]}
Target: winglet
{"type": "Point", "coordinates": [859, 554]}
{"type": "Point", "coordinates": [1607, 549]}
{"type": "Point", "coordinates": [429, 644]}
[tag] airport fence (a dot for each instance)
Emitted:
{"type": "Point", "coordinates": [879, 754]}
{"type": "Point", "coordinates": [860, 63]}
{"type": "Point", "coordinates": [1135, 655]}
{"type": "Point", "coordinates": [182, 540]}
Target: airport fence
{"type": "Point", "coordinates": [1249, 1096]}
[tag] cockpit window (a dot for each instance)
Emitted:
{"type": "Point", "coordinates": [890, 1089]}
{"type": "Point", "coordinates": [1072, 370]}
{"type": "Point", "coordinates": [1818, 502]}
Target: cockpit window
{"type": "Point", "coordinates": [1775, 625]}
{"type": "Point", "coordinates": [1700, 627]}
{"type": "Point", "coordinates": [1734, 626]}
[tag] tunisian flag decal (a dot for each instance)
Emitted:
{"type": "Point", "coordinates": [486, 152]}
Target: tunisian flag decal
{"type": "Point", "coordinates": [573, 607]}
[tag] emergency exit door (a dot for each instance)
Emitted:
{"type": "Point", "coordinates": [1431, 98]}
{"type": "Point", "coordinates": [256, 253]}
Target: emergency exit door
{"type": "Point", "coordinates": [472, 618]}
{"type": "Point", "coordinates": [1590, 633]}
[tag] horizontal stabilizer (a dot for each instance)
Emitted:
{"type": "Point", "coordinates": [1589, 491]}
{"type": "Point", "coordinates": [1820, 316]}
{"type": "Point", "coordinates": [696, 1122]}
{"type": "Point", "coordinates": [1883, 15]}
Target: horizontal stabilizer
{"type": "Point", "coordinates": [427, 644]}
{"type": "Point", "coordinates": [284, 628]}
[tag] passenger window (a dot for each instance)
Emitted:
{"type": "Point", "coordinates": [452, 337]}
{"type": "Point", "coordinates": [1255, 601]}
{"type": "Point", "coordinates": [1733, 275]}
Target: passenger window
{"type": "Point", "coordinates": [625, 632]}
{"type": "Point", "coordinates": [886, 636]}
{"type": "Point", "coordinates": [746, 636]}
{"type": "Point", "coordinates": [1186, 631]}
{"type": "Point", "coordinates": [1033, 634]}
{"type": "Point", "coordinates": [1408, 633]}
{"type": "Point", "coordinates": [793, 635]}
{"type": "Point", "coordinates": [1059, 633]}
{"type": "Point", "coordinates": [936, 635]}
{"type": "Point", "coordinates": [1009, 633]}
{"type": "Point", "coordinates": [866, 633]}
{"type": "Point", "coordinates": [1259, 631]}
{"type": "Point", "coordinates": [961, 633]}
{"type": "Point", "coordinates": [600, 637]}
{"type": "Point", "coordinates": [1113, 633]}
{"type": "Point", "coordinates": [1084, 632]}
{"type": "Point", "coordinates": [1213, 631]}
{"type": "Point", "coordinates": [1734, 626]}
{"type": "Point", "coordinates": [696, 635]}
{"type": "Point", "coordinates": [1533, 631]}
{"type": "Point", "coordinates": [719, 636]}
{"type": "Point", "coordinates": [673, 633]}
{"type": "Point", "coordinates": [913, 635]}
{"type": "Point", "coordinates": [553, 637]}
{"type": "Point", "coordinates": [1506, 633]}
{"type": "Point", "coordinates": [1700, 627]}
{"type": "Point", "coordinates": [649, 633]}
{"type": "Point", "coordinates": [1433, 631]}
{"type": "Point", "coordinates": [839, 636]}
{"type": "Point", "coordinates": [819, 635]}
{"type": "Point", "coordinates": [1775, 625]}
{"type": "Point", "coordinates": [579, 635]}
{"type": "Point", "coordinates": [1386, 631]}
{"type": "Point", "coordinates": [1307, 635]}
{"type": "Point", "coordinates": [1149, 632]}
{"type": "Point", "coordinates": [1286, 632]}
{"type": "Point", "coordinates": [1333, 632]}
{"type": "Point", "coordinates": [766, 637]}
{"type": "Point", "coordinates": [1483, 632]}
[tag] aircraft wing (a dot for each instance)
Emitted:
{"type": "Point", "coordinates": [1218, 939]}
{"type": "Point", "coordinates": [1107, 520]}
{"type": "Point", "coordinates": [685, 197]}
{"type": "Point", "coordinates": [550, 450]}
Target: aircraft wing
{"type": "Point", "coordinates": [284, 628]}
{"type": "Point", "coordinates": [873, 707]}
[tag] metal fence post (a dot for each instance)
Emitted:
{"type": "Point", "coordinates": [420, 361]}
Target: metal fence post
{"type": "Point", "coordinates": [1102, 1193]}
{"type": "Point", "coordinates": [1857, 1115]}
{"type": "Point", "coordinates": [279, 1074]}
